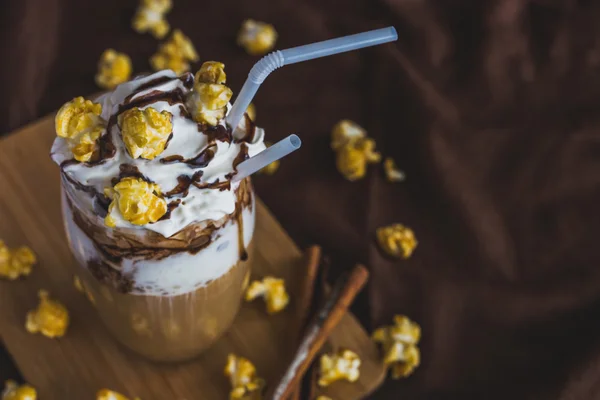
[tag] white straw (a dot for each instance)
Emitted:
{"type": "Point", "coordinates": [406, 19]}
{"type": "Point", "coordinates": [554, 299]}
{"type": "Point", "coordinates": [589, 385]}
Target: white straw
{"type": "Point", "coordinates": [267, 156]}
{"type": "Point", "coordinates": [277, 59]}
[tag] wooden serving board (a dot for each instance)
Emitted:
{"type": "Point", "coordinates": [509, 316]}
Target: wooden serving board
{"type": "Point", "coordinates": [87, 359]}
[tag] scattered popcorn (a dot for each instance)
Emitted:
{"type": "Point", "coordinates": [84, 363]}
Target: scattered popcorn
{"type": "Point", "coordinates": [272, 290]}
{"type": "Point", "coordinates": [342, 365]}
{"type": "Point", "coordinates": [257, 37]}
{"type": "Point", "coordinates": [399, 344]}
{"type": "Point", "coordinates": [14, 391]}
{"type": "Point", "coordinates": [353, 157]}
{"type": "Point", "coordinates": [145, 132]}
{"type": "Point", "coordinates": [51, 318]}
{"type": "Point", "coordinates": [210, 96]}
{"type": "Point", "coordinates": [344, 132]}
{"type": "Point", "coordinates": [138, 201]}
{"type": "Point", "coordinates": [150, 17]}
{"type": "Point", "coordinates": [15, 263]}
{"type": "Point", "coordinates": [113, 69]}
{"type": "Point", "coordinates": [175, 54]}
{"type": "Point", "coordinates": [271, 168]}
{"type": "Point", "coordinates": [251, 111]}
{"type": "Point", "coordinates": [397, 240]}
{"type": "Point", "coordinates": [392, 173]}
{"type": "Point", "coordinates": [79, 122]}
{"type": "Point", "coordinates": [106, 394]}
{"type": "Point", "coordinates": [244, 382]}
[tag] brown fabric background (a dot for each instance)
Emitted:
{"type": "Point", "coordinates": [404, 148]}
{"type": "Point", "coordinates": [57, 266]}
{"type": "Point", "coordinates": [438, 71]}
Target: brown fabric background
{"type": "Point", "coordinates": [491, 108]}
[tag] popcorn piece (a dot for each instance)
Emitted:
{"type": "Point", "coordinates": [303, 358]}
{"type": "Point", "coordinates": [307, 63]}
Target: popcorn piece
{"type": "Point", "coordinates": [343, 365]}
{"type": "Point", "coordinates": [271, 168]}
{"type": "Point", "coordinates": [399, 345]}
{"type": "Point", "coordinates": [251, 111]}
{"type": "Point", "coordinates": [150, 17]}
{"type": "Point", "coordinates": [138, 201]}
{"type": "Point", "coordinates": [272, 290]}
{"type": "Point", "coordinates": [113, 69]}
{"type": "Point", "coordinates": [324, 398]}
{"type": "Point", "coordinates": [175, 54]}
{"type": "Point", "coordinates": [392, 173]}
{"type": "Point", "coordinates": [353, 157]}
{"type": "Point", "coordinates": [15, 263]}
{"type": "Point", "coordinates": [344, 132]}
{"type": "Point", "coordinates": [145, 132]}
{"type": "Point", "coordinates": [397, 240]}
{"type": "Point", "coordinates": [13, 391]}
{"type": "Point", "coordinates": [257, 37]}
{"type": "Point", "coordinates": [79, 122]}
{"type": "Point", "coordinates": [244, 382]}
{"type": "Point", "coordinates": [106, 394]}
{"type": "Point", "coordinates": [210, 96]}
{"type": "Point", "coordinates": [51, 318]}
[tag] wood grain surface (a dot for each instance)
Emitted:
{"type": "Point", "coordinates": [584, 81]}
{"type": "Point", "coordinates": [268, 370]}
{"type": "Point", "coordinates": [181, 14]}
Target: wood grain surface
{"type": "Point", "coordinates": [87, 359]}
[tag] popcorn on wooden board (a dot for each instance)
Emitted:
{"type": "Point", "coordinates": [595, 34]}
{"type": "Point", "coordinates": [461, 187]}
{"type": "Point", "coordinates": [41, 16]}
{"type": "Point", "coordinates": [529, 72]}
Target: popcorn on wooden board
{"type": "Point", "coordinates": [397, 240]}
{"type": "Point", "coordinates": [352, 158]}
{"type": "Point", "coordinates": [114, 68]}
{"type": "Point", "coordinates": [79, 122]}
{"type": "Point", "coordinates": [392, 172]}
{"type": "Point", "coordinates": [14, 391]}
{"type": "Point", "coordinates": [106, 394]}
{"type": "Point", "coordinates": [150, 17]}
{"type": "Point", "coordinates": [242, 375]}
{"type": "Point", "coordinates": [272, 290]}
{"type": "Point", "coordinates": [344, 132]}
{"type": "Point", "coordinates": [210, 96]}
{"type": "Point", "coordinates": [138, 202]}
{"type": "Point", "coordinates": [176, 54]}
{"type": "Point", "coordinates": [343, 365]}
{"type": "Point", "coordinates": [399, 346]}
{"type": "Point", "coordinates": [15, 263]}
{"type": "Point", "coordinates": [324, 398]}
{"type": "Point", "coordinates": [50, 318]}
{"type": "Point", "coordinates": [145, 132]}
{"type": "Point", "coordinates": [271, 168]}
{"type": "Point", "coordinates": [257, 37]}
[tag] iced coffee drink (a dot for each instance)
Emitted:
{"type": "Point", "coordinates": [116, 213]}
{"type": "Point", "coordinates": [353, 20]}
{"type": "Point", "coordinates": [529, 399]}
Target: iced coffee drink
{"type": "Point", "coordinates": [159, 226]}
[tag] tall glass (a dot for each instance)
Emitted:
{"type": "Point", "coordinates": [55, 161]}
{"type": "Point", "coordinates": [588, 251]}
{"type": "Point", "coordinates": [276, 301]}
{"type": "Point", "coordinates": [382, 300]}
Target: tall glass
{"type": "Point", "coordinates": [167, 299]}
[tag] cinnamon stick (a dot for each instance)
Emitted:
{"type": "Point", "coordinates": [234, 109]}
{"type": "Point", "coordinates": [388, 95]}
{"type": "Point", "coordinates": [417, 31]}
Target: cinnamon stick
{"type": "Point", "coordinates": [313, 260]}
{"type": "Point", "coordinates": [344, 291]}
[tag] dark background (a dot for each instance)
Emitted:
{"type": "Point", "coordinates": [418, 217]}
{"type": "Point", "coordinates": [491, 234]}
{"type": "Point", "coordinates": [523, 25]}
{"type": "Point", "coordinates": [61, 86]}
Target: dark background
{"type": "Point", "coordinates": [490, 107]}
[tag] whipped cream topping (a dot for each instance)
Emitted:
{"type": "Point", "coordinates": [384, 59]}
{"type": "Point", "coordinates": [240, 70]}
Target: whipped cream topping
{"type": "Point", "coordinates": [193, 172]}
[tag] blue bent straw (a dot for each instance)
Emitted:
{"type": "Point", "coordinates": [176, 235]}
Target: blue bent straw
{"type": "Point", "coordinates": [278, 59]}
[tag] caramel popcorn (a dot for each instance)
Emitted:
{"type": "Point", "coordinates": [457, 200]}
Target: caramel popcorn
{"type": "Point", "coordinates": [251, 111]}
{"type": "Point", "coordinates": [138, 201]}
{"type": "Point", "coordinates": [392, 173]}
{"type": "Point", "coordinates": [14, 391]}
{"type": "Point", "coordinates": [51, 318]}
{"type": "Point", "coordinates": [150, 17]}
{"type": "Point", "coordinates": [399, 344]}
{"type": "Point", "coordinates": [342, 365]}
{"type": "Point", "coordinates": [257, 37]}
{"type": "Point", "coordinates": [271, 168]}
{"type": "Point", "coordinates": [113, 69]}
{"type": "Point", "coordinates": [244, 382]}
{"type": "Point", "coordinates": [272, 290]}
{"type": "Point", "coordinates": [145, 132]}
{"type": "Point", "coordinates": [15, 263]}
{"type": "Point", "coordinates": [106, 394]}
{"type": "Point", "coordinates": [175, 54]}
{"type": "Point", "coordinates": [344, 132]}
{"type": "Point", "coordinates": [353, 157]}
{"type": "Point", "coordinates": [397, 240]}
{"type": "Point", "coordinates": [210, 97]}
{"type": "Point", "coordinates": [79, 122]}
